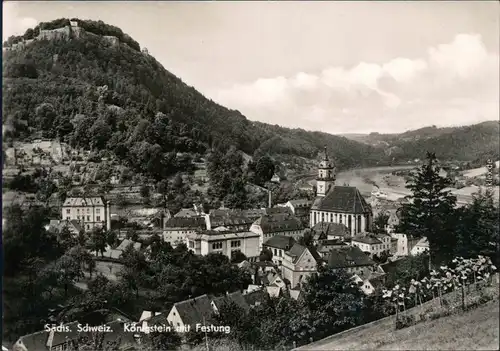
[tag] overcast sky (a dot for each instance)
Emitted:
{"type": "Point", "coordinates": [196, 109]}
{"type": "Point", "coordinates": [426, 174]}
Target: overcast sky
{"type": "Point", "coordinates": [339, 67]}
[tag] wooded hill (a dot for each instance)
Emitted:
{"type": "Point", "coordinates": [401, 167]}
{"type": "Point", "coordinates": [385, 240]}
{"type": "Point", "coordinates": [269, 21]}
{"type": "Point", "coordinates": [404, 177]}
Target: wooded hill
{"type": "Point", "coordinates": [468, 143]}
{"type": "Point", "coordinates": [116, 99]}
{"type": "Point", "coordinates": [57, 88]}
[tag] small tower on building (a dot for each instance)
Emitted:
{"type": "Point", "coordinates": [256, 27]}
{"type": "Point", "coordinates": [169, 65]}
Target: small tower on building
{"type": "Point", "coordinates": [326, 176]}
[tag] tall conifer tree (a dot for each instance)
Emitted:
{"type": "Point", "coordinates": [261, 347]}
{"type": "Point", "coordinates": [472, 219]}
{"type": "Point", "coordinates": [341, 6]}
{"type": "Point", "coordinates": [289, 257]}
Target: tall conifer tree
{"type": "Point", "coordinates": [431, 211]}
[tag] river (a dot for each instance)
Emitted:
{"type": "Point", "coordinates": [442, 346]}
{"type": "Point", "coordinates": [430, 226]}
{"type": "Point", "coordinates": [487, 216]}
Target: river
{"type": "Point", "coordinates": [370, 178]}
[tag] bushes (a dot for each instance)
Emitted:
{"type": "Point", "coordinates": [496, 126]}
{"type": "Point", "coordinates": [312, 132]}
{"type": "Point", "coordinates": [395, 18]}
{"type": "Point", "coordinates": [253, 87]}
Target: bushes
{"type": "Point", "coordinates": [405, 321]}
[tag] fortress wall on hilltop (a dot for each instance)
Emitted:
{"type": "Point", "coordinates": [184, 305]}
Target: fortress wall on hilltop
{"type": "Point", "coordinates": [65, 33]}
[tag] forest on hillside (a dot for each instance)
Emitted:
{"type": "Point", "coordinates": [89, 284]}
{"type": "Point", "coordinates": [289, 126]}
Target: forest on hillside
{"type": "Point", "coordinates": [118, 99]}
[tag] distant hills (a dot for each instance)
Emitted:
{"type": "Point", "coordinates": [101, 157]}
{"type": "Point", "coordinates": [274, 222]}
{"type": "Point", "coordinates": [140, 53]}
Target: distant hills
{"type": "Point", "coordinates": [452, 143]}
{"type": "Point", "coordinates": [89, 84]}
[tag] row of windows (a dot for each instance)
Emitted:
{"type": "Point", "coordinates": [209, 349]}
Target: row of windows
{"type": "Point", "coordinates": [97, 210]}
{"type": "Point", "coordinates": [375, 247]}
{"type": "Point", "coordinates": [97, 219]}
{"type": "Point", "coordinates": [334, 218]}
{"type": "Point", "coordinates": [217, 245]}
{"type": "Point", "coordinates": [290, 232]}
{"type": "Point", "coordinates": [236, 243]}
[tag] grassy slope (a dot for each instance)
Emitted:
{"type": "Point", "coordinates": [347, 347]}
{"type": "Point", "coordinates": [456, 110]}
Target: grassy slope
{"type": "Point", "coordinates": [477, 329]}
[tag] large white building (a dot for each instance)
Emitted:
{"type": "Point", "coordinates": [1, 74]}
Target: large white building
{"type": "Point", "coordinates": [224, 242]}
{"type": "Point", "coordinates": [90, 212]}
{"type": "Point", "coordinates": [375, 244]}
{"type": "Point", "coordinates": [339, 204]}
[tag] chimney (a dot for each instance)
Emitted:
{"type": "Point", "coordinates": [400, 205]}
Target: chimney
{"type": "Point", "coordinates": [270, 198]}
{"type": "Point", "coordinates": [207, 221]}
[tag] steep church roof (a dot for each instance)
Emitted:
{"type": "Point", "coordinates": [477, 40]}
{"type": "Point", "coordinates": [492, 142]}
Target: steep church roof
{"type": "Point", "coordinates": [342, 199]}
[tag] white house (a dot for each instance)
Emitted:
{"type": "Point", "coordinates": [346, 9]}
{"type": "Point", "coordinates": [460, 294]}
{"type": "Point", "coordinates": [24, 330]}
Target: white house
{"type": "Point", "coordinates": [421, 247]}
{"type": "Point", "coordinates": [90, 212]}
{"type": "Point", "coordinates": [190, 312]}
{"type": "Point", "coordinates": [278, 245]}
{"type": "Point", "coordinates": [375, 244]}
{"type": "Point", "coordinates": [223, 241]}
{"type": "Point", "coordinates": [370, 283]}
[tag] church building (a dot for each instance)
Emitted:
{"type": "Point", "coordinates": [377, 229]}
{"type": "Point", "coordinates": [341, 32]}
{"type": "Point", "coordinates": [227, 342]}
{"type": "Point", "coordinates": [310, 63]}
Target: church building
{"type": "Point", "coordinates": [339, 204]}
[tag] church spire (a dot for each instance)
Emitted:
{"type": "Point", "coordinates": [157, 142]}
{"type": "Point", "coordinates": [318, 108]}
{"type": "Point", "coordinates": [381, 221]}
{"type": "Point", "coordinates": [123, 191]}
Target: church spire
{"type": "Point", "coordinates": [326, 155]}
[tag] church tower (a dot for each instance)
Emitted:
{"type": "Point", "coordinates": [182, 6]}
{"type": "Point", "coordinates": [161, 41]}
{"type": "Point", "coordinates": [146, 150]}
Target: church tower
{"type": "Point", "coordinates": [326, 176]}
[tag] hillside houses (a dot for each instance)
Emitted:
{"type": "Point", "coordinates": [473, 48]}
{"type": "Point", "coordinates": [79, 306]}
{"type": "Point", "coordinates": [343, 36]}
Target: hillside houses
{"type": "Point", "coordinates": [280, 224]}
{"type": "Point", "coordinates": [187, 213]}
{"type": "Point", "coordinates": [326, 246]}
{"type": "Point", "coordinates": [177, 228]}
{"type": "Point", "coordinates": [278, 245]}
{"type": "Point", "coordinates": [90, 212]}
{"type": "Point", "coordinates": [332, 230]}
{"type": "Point", "coordinates": [351, 259]}
{"type": "Point", "coordinates": [368, 284]}
{"type": "Point", "coordinates": [299, 208]}
{"type": "Point", "coordinates": [185, 315]}
{"type": "Point", "coordinates": [299, 263]}
{"type": "Point", "coordinates": [374, 244]}
{"type": "Point", "coordinates": [45, 340]}
{"type": "Point", "coordinates": [226, 242]}
{"type": "Point", "coordinates": [232, 220]}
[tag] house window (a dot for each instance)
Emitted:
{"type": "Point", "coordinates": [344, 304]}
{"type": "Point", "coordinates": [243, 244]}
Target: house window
{"type": "Point", "coordinates": [68, 211]}
{"type": "Point", "coordinates": [98, 210]}
{"type": "Point", "coordinates": [88, 218]}
{"type": "Point", "coordinates": [349, 222]}
{"type": "Point", "coordinates": [88, 226]}
{"type": "Point", "coordinates": [217, 245]}
{"type": "Point", "coordinates": [68, 218]}
{"type": "Point", "coordinates": [77, 210]}
{"type": "Point", "coordinates": [98, 218]}
{"type": "Point", "coordinates": [359, 224]}
{"type": "Point", "coordinates": [88, 210]}
{"type": "Point", "coordinates": [236, 243]}
{"type": "Point", "coordinates": [331, 217]}
{"type": "Point", "coordinates": [78, 217]}
{"type": "Point", "coordinates": [191, 245]}
{"type": "Point", "coordinates": [340, 219]}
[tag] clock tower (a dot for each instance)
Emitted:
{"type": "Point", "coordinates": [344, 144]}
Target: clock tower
{"type": "Point", "coordinates": [326, 176]}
